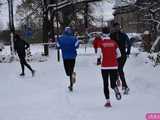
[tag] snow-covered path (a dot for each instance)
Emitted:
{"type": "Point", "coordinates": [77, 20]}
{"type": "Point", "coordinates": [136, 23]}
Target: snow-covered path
{"type": "Point", "coordinates": [46, 97]}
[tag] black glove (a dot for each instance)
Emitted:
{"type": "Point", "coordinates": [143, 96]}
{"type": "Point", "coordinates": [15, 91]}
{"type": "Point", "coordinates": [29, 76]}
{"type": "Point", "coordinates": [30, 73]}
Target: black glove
{"type": "Point", "coordinates": [98, 61]}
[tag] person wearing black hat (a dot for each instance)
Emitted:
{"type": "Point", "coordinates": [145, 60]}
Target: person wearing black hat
{"type": "Point", "coordinates": [125, 46]}
{"type": "Point", "coordinates": [20, 46]}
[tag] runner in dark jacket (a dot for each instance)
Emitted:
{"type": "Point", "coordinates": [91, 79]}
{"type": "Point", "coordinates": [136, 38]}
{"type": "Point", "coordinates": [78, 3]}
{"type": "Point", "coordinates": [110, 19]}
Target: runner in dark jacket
{"type": "Point", "coordinates": [125, 47]}
{"type": "Point", "coordinates": [20, 46]}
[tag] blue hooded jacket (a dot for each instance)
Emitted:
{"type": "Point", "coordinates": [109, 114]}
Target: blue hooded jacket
{"type": "Point", "coordinates": [68, 43]}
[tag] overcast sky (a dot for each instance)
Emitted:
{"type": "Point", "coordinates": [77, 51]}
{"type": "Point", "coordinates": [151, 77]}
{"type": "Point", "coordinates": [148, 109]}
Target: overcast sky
{"type": "Point", "coordinates": [104, 9]}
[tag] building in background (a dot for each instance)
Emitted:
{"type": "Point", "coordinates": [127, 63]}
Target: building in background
{"type": "Point", "coordinates": [136, 16]}
{"type": "Point", "coordinates": [139, 16]}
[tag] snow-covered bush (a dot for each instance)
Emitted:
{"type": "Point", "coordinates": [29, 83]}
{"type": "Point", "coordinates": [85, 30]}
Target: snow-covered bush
{"type": "Point", "coordinates": [37, 57]}
{"type": "Point", "coordinates": [6, 58]}
{"type": "Point", "coordinates": [32, 55]}
{"type": "Point", "coordinates": [155, 58]}
{"type": "Point", "coordinates": [146, 42]}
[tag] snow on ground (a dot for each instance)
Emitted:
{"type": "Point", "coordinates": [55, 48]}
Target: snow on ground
{"type": "Point", "coordinates": [46, 97]}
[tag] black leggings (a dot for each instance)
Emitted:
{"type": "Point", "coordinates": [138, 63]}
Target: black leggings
{"type": "Point", "coordinates": [121, 63]}
{"type": "Point", "coordinates": [69, 66]}
{"type": "Point", "coordinates": [69, 69]}
{"type": "Point", "coordinates": [113, 78]}
{"type": "Point", "coordinates": [23, 63]}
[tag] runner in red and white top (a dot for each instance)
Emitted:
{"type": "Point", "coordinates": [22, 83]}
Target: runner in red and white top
{"type": "Point", "coordinates": [108, 52]}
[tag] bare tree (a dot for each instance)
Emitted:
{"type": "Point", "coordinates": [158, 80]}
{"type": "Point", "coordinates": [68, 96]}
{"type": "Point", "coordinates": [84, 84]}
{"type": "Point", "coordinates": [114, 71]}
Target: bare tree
{"type": "Point", "coordinates": [29, 12]}
{"type": "Point", "coordinates": [1, 3]}
{"type": "Point", "coordinates": [151, 8]}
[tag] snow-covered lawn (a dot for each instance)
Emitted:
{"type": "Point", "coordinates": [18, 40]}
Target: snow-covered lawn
{"type": "Point", "coordinates": [46, 97]}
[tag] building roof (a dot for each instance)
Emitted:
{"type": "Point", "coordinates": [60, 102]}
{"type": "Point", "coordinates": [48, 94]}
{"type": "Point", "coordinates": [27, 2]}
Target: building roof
{"type": "Point", "coordinates": [124, 9]}
{"type": "Point", "coordinates": [120, 3]}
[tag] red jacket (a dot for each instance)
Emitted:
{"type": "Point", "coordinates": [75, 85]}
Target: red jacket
{"type": "Point", "coordinates": [110, 52]}
{"type": "Point", "coordinates": [96, 42]}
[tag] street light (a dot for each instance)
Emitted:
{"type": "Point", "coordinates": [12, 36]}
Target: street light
{"type": "Point", "coordinates": [11, 25]}
{"type": "Point", "coordinates": [45, 26]}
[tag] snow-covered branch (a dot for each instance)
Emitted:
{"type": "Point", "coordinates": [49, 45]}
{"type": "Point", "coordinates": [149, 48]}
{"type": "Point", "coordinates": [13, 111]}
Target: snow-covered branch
{"type": "Point", "coordinates": [154, 20]}
{"type": "Point", "coordinates": [155, 10]}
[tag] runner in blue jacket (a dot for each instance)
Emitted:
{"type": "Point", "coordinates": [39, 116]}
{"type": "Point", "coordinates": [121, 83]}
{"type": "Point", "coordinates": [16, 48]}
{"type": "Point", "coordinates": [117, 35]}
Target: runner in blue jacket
{"type": "Point", "coordinates": [68, 43]}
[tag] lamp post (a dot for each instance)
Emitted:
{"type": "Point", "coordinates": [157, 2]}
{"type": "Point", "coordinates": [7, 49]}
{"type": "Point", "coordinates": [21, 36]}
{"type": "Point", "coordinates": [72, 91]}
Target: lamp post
{"type": "Point", "coordinates": [11, 25]}
{"type": "Point", "coordinates": [57, 22]}
{"type": "Point", "coordinates": [86, 24]}
{"type": "Point", "coordinates": [45, 27]}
